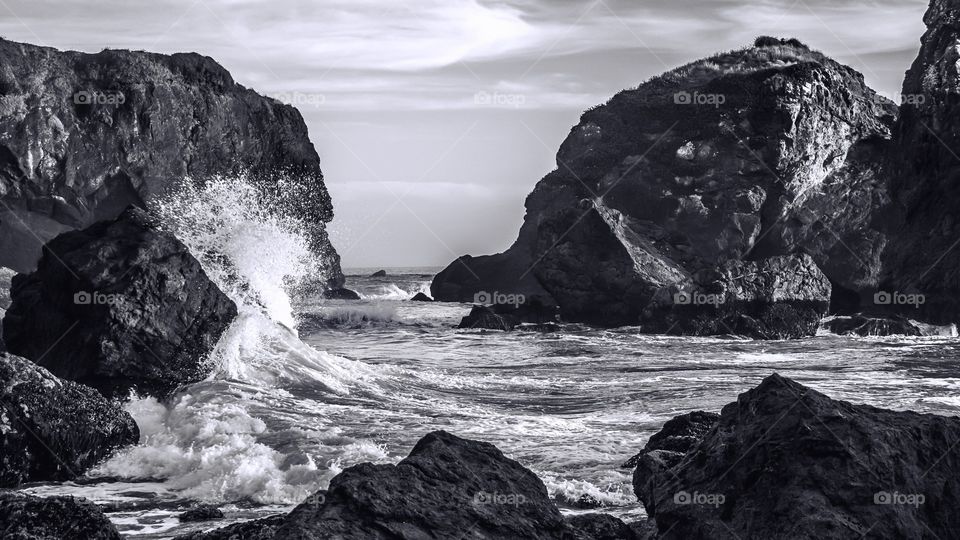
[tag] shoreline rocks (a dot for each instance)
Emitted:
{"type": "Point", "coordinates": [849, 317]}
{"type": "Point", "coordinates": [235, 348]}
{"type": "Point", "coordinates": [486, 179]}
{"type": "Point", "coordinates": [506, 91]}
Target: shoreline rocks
{"type": "Point", "coordinates": [51, 429]}
{"type": "Point", "coordinates": [119, 305]}
{"type": "Point", "coordinates": [785, 461]}
{"type": "Point", "coordinates": [87, 135]}
{"type": "Point", "coordinates": [27, 517]}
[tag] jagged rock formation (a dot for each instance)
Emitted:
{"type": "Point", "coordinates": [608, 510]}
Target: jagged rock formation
{"type": "Point", "coordinates": [84, 136]}
{"type": "Point", "coordinates": [119, 305]}
{"type": "Point", "coordinates": [51, 429]}
{"type": "Point", "coordinates": [924, 257]}
{"type": "Point", "coordinates": [447, 487]}
{"type": "Point", "coordinates": [785, 461]}
{"type": "Point", "coordinates": [24, 517]}
{"type": "Point", "coordinates": [770, 151]}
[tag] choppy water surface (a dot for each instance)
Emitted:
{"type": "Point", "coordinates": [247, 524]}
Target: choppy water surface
{"type": "Point", "coordinates": [287, 409]}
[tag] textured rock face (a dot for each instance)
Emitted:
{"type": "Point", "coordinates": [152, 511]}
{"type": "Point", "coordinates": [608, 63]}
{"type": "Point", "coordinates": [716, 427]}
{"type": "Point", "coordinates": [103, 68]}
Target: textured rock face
{"type": "Point", "coordinates": [52, 429]}
{"type": "Point", "coordinates": [118, 305]}
{"type": "Point", "coordinates": [83, 136]}
{"type": "Point", "coordinates": [785, 461]}
{"type": "Point", "coordinates": [928, 133]}
{"type": "Point", "coordinates": [770, 151]}
{"type": "Point", "coordinates": [25, 517]}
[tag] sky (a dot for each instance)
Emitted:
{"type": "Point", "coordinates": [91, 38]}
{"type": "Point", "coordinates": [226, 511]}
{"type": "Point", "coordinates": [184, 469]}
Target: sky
{"type": "Point", "coordinates": [435, 118]}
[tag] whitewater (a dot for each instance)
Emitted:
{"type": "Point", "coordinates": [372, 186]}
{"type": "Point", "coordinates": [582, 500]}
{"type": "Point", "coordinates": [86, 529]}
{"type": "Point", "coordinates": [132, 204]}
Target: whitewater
{"type": "Point", "coordinates": [303, 387]}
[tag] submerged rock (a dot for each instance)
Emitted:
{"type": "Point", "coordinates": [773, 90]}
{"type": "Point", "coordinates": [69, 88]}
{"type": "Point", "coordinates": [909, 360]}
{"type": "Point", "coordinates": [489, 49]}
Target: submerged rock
{"type": "Point", "coordinates": [379, 273]}
{"type": "Point", "coordinates": [861, 325]}
{"type": "Point", "coordinates": [509, 316]}
{"type": "Point", "coordinates": [785, 461]}
{"type": "Point", "coordinates": [84, 136]}
{"type": "Point", "coordinates": [257, 529]}
{"type": "Point", "coordinates": [118, 305]}
{"type": "Point", "coordinates": [25, 517]}
{"type": "Point", "coordinates": [203, 512]}
{"type": "Point", "coordinates": [52, 429]}
{"type": "Point", "coordinates": [341, 293]}
{"type": "Point", "coordinates": [420, 297]}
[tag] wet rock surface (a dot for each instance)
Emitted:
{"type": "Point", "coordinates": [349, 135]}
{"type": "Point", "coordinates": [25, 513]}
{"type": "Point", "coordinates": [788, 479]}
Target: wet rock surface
{"type": "Point", "coordinates": [24, 517]}
{"type": "Point", "coordinates": [87, 135]}
{"type": "Point", "coordinates": [120, 305]}
{"type": "Point", "coordinates": [785, 461]}
{"type": "Point", "coordinates": [51, 429]}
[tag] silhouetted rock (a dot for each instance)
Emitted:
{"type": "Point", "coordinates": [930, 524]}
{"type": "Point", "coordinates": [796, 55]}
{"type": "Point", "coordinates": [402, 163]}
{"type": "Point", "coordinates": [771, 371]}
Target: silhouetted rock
{"type": "Point", "coordinates": [921, 257]}
{"type": "Point", "coordinates": [25, 517]}
{"type": "Point", "coordinates": [508, 316]}
{"type": "Point", "coordinates": [785, 461]}
{"type": "Point", "coordinates": [118, 305]}
{"type": "Point", "coordinates": [379, 273]}
{"type": "Point", "coordinates": [486, 318]}
{"type": "Point", "coordinates": [203, 512]}
{"type": "Point", "coordinates": [872, 326]}
{"type": "Point", "coordinates": [727, 163]}
{"type": "Point", "coordinates": [51, 429]}
{"type": "Point", "coordinates": [601, 527]}
{"type": "Point", "coordinates": [420, 297]}
{"type": "Point", "coordinates": [92, 134]}
{"type": "Point", "coordinates": [341, 294]}
{"type": "Point", "coordinates": [257, 529]}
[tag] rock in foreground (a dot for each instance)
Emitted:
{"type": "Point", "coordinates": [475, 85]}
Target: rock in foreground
{"type": "Point", "coordinates": [447, 488]}
{"type": "Point", "coordinates": [118, 305]}
{"type": "Point", "coordinates": [24, 517]}
{"type": "Point", "coordinates": [52, 429]}
{"type": "Point", "coordinates": [785, 461]}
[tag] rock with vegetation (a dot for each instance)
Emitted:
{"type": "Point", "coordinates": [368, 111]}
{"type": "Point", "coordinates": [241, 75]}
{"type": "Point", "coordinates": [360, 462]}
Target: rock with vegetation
{"type": "Point", "coordinates": [120, 305]}
{"type": "Point", "coordinates": [766, 152]}
{"type": "Point", "coordinates": [84, 136]}
{"type": "Point", "coordinates": [51, 429]}
{"type": "Point", "coordinates": [785, 461]}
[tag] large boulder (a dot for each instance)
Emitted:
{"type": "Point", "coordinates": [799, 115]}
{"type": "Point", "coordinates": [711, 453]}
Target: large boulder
{"type": "Point", "coordinates": [447, 488]}
{"type": "Point", "coordinates": [84, 136]}
{"type": "Point", "coordinates": [25, 517]}
{"type": "Point", "coordinates": [767, 152]}
{"type": "Point", "coordinates": [119, 305]}
{"type": "Point", "coordinates": [51, 429]}
{"type": "Point", "coordinates": [785, 461]}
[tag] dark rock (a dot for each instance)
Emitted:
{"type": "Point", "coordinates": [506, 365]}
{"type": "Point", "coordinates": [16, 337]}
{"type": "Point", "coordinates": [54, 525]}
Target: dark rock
{"type": "Point", "coordinates": [506, 316]}
{"type": "Point", "coordinates": [679, 434]}
{"type": "Point", "coordinates": [52, 429]}
{"type": "Point", "coordinates": [486, 318]}
{"type": "Point", "coordinates": [921, 257]}
{"type": "Point", "coordinates": [446, 488]}
{"type": "Point", "coordinates": [257, 529]}
{"type": "Point", "coordinates": [203, 512]}
{"type": "Point", "coordinates": [785, 461]}
{"type": "Point", "coordinates": [24, 517]}
{"type": "Point", "coordinates": [420, 297]}
{"type": "Point", "coordinates": [87, 135]}
{"type": "Point", "coordinates": [341, 293]}
{"type": "Point", "coordinates": [742, 162]}
{"type": "Point", "coordinates": [379, 273]}
{"type": "Point", "coordinates": [118, 305]}
{"type": "Point", "coordinates": [601, 527]}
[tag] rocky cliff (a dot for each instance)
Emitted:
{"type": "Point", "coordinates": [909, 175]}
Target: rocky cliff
{"type": "Point", "coordinates": [671, 197]}
{"type": "Point", "coordinates": [83, 136]}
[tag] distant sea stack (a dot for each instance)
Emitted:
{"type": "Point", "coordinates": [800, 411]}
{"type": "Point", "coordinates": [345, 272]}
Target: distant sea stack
{"type": "Point", "coordinates": [83, 136]}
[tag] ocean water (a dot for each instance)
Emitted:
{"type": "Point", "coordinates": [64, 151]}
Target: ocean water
{"type": "Point", "coordinates": [304, 387]}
